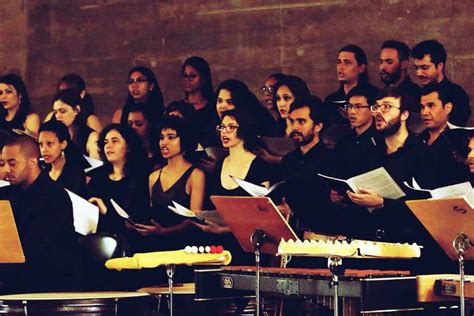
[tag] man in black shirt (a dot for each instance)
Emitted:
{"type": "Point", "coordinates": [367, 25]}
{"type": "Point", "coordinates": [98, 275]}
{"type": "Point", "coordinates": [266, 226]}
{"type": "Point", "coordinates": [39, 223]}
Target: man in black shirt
{"type": "Point", "coordinates": [351, 72]}
{"type": "Point", "coordinates": [43, 215]}
{"type": "Point", "coordinates": [394, 60]}
{"type": "Point", "coordinates": [304, 191]}
{"type": "Point", "coordinates": [404, 157]}
{"type": "Point", "coordinates": [429, 62]}
{"type": "Point", "coordinates": [355, 154]}
{"type": "Point", "coordinates": [435, 110]}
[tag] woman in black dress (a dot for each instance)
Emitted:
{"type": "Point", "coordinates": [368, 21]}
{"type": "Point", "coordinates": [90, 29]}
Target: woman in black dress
{"type": "Point", "coordinates": [121, 178]}
{"type": "Point", "coordinates": [179, 181]}
{"type": "Point", "coordinates": [143, 87]}
{"type": "Point", "coordinates": [63, 160]}
{"type": "Point", "coordinates": [15, 113]}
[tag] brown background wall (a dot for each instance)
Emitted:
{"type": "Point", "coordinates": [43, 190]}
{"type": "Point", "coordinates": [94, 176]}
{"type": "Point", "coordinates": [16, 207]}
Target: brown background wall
{"type": "Point", "coordinates": [245, 39]}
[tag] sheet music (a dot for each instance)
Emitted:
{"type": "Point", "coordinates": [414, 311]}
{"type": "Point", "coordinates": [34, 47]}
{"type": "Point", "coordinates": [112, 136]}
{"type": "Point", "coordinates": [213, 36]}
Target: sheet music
{"type": "Point", "coordinates": [253, 189]}
{"type": "Point", "coordinates": [4, 183]}
{"type": "Point", "coordinates": [93, 162]}
{"type": "Point", "coordinates": [202, 217]}
{"type": "Point", "coordinates": [459, 189]}
{"type": "Point", "coordinates": [120, 211]}
{"type": "Point", "coordinates": [378, 180]}
{"type": "Point", "coordinates": [452, 126]}
{"type": "Point", "coordinates": [86, 214]}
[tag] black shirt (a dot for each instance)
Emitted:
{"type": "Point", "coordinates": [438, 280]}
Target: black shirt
{"type": "Point", "coordinates": [44, 218]}
{"type": "Point", "coordinates": [305, 192]}
{"type": "Point", "coordinates": [334, 103]}
{"type": "Point", "coordinates": [461, 111]}
{"type": "Point", "coordinates": [452, 169]}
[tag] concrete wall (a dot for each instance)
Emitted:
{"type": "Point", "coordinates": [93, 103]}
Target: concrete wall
{"type": "Point", "coordinates": [244, 39]}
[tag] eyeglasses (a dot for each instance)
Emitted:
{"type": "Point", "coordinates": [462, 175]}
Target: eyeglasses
{"type": "Point", "coordinates": [186, 76]}
{"type": "Point", "coordinates": [228, 128]}
{"type": "Point", "coordinates": [137, 80]}
{"type": "Point", "coordinates": [266, 89]}
{"type": "Point", "coordinates": [356, 107]}
{"type": "Point", "coordinates": [384, 108]}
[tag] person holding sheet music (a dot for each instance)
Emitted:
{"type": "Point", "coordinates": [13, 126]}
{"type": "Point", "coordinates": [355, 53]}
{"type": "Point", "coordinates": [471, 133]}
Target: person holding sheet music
{"type": "Point", "coordinates": [404, 156]}
{"type": "Point", "coordinates": [121, 178]}
{"type": "Point", "coordinates": [435, 109]}
{"type": "Point", "coordinates": [179, 181]}
{"type": "Point", "coordinates": [67, 109]}
{"type": "Point", "coordinates": [238, 133]}
{"type": "Point", "coordinates": [355, 154]}
{"type": "Point", "coordinates": [63, 160]}
{"type": "Point", "coordinates": [44, 218]}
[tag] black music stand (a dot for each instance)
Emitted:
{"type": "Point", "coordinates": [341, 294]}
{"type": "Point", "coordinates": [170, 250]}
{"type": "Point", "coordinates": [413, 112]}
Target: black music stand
{"type": "Point", "coordinates": [450, 222]}
{"type": "Point", "coordinates": [257, 225]}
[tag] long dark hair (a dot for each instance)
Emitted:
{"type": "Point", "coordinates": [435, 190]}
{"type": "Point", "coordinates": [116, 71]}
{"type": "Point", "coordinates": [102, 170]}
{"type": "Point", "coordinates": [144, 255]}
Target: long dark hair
{"type": "Point", "coordinates": [154, 100]}
{"type": "Point", "coordinates": [135, 157]}
{"type": "Point", "coordinates": [20, 87]}
{"type": "Point", "coordinates": [202, 67]}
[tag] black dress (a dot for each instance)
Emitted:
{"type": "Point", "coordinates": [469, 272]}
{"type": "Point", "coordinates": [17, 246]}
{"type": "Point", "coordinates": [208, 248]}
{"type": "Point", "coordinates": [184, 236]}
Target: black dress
{"type": "Point", "coordinates": [130, 193]}
{"type": "Point", "coordinates": [257, 174]}
{"type": "Point", "coordinates": [160, 200]}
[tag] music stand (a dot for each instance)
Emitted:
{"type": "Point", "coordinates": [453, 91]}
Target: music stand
{"type": "Point", "coordinates": [450, 222]}
{"type": "Point", "coordinates": [257, 225]}
{"type": "Point", "coordinates": [10, 245]}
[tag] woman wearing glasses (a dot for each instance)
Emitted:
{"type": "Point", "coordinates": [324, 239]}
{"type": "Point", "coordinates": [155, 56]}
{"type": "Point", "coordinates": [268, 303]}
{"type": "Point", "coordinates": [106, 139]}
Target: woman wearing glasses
{"type": "Point", "coordinates": [199, 94]}
{"type": "Point", "coordinates": [143, 87]}
{"type": "Point", "coordinates": [237, 132]}
{"type": "Point", "coordinates": [234, 94]}
{"type": "Point", "coordinates": [267, 93]}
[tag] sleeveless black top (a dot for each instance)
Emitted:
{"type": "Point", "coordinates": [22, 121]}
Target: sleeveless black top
{"type": "Point", "coordinates": [17, 123]}
{"type": "Point", "coordinates": [161, 199]}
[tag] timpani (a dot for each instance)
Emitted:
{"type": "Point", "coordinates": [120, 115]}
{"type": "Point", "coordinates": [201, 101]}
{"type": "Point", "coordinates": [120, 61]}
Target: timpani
{"type": "Point", "coordinates": [78, 303]}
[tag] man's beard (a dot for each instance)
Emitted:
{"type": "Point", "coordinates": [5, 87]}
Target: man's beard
{"type": "Point", "coordinates": [304, 140]}
{"type": "Point", "coordinates": [391, 78]}
{"type": "Point", "coordinates": [391, 128]}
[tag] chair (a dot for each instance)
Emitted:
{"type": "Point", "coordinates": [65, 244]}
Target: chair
{"type": "Point", "coordinates": [96, 249]}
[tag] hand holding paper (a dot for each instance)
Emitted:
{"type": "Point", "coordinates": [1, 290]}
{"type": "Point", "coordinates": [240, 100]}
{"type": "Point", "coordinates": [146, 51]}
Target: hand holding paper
{"type": "Point", "coordinates": [253, 189]}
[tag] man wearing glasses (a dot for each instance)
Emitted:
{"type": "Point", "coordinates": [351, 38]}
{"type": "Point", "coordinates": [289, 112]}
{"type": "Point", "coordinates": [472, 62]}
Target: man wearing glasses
{"type": "Point", "coordinates": [404, 157]}
{"type": "Point", "coordinates": [355, 155]}
{"type": "Point", "coordinates": [351, 69]}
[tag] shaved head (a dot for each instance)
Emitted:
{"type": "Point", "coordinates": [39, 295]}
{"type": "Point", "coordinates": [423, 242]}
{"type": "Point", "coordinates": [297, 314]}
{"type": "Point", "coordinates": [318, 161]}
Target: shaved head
{"type": "Point", "coordinates": [28, 146]}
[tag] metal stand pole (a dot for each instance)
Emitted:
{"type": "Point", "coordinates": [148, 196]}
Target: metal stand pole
{"type": "Point", "coordinates": [257, 239]}
{"type": "Point", "coordinates": [461, 244]}
{"type": "Point", "coordinates": [170, 269]}
{"type": "Point", "coordinates": [335, 266]}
